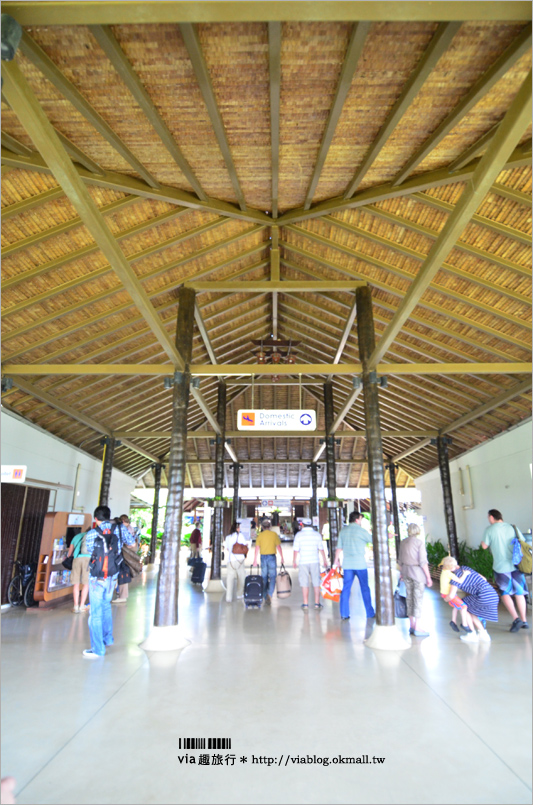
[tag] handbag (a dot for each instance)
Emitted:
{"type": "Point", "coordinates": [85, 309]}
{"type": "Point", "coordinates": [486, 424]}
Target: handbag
{"type": "Point", "coordinates": [67, 562]}
{"type": "Point", "coordinates": [132, 560]}
{"type": "Point", "coordinates": [239, 548]}
{"type": "Point", "coordinates": [400, 605]}
{"type": "Point", "coordinates": [283, 583]}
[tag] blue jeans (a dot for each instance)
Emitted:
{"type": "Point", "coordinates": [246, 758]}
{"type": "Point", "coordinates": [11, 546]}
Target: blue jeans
{"type": "Point", "coordinates": [268, 571]}
{"type": "Point", "coordinates": [349, 576]}
{"type": "Point", "coordinates": [100, 617]}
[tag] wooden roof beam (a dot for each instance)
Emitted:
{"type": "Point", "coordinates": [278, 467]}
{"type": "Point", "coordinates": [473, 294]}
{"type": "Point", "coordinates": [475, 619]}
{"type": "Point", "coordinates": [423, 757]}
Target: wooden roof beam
{"type": "Point", "coordinates": [494, 226]}
{"type": "Point", "coordinates": [13, 145]}
{"type": "Point", "coordinates": [349, 66]}
{"type": "Point", "coordinates": [514, 195]}
{"type": "Point", "coordinates": [30, 203]}
{"type": "Point", "coordinates": [511, 129]}
{"type": "Point", "coordinates": [424, 181]}
{"type": "Point", "coordinates": [494, 402]}
{"type": "Point", "coordinates": [38, 57]}
{"type": "Point", "coordinates": [72, 12]}
{"type": "Point", "coordinates": [129, 184]}
{"type": "Point", "coordinates": [437, 47]}
{"type": "Point", "coordinates": [394, 291]}
{"type": "Point", "coordinates": [495, 72]}
{"type": "Point", "coordinates": [243, 369]}
{"type": "Point", "coordinates": [115, 54]}
{"type": "Point", "coordinates": [274, 66]}
{"type": "Point", "coordinates": [30, 114]}
{"type": "Point", "coordinates": [440, 289]}
{"type": "Point", "coordinates": [474, 150]}
{"type": "Point", "coordinates": [89, 422]}
{"type": "Point", "coordinates": [61, 229]}
{"type": "Point", "coordinates": [194, 48]}
{"type": "Point", "coordinates": [399, 221]}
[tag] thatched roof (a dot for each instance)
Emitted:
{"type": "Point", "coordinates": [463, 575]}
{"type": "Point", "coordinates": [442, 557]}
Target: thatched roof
{"type": "Point", "coordinates": [208, 133]}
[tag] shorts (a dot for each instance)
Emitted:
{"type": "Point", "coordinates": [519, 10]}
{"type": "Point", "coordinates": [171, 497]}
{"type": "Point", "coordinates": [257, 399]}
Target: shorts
{"type": "Point", "coordinates": [456, 602]}
{"type": "Point", "coordinates": [308, 573]}
{"type": "Point", "coordinates": [80, 570]}
{"type": "Point", "coordinates": [511, 583]}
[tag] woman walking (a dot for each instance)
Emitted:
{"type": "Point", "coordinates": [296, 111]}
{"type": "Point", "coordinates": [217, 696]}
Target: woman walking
{"type": "Point", "coordinates": [237, 547]}
{"type": "Point", "coordinates": [413, 561]}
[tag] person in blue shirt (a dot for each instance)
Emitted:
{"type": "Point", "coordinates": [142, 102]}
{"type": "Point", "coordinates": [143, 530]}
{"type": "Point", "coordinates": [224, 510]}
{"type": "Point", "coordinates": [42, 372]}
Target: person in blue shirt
{"type": "Point", "coordinates": [352, 542]}
{"type": "Point", "coordinates": [101, 590]}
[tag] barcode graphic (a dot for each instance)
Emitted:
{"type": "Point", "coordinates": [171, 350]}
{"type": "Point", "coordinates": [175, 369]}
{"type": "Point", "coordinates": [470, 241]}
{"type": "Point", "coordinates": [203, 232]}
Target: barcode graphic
{"type": "Point", "coordinates": [201, 743]}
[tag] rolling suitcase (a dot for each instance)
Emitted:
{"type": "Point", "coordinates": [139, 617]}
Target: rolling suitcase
{"type": "Point", "coordinates": [198, 572]}
{"type": "Point", "coordinates": [253, 590]}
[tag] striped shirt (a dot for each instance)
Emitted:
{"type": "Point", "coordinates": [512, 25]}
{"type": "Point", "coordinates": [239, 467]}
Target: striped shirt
{"type": "Point", "coordinates": [308, 543]}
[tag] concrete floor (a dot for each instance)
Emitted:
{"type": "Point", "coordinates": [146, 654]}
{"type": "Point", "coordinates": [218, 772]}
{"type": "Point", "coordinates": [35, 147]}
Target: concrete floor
{"type": "Point", "coordinates": [451, 720]}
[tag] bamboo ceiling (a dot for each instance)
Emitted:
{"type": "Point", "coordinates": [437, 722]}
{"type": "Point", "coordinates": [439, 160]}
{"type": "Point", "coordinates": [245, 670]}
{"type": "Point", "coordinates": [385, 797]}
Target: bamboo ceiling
{"type": "Point", "coordinates": [230, 145]}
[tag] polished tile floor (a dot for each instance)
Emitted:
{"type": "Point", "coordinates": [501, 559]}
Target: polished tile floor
{"type": "Point", "coordinates": [297, 693]}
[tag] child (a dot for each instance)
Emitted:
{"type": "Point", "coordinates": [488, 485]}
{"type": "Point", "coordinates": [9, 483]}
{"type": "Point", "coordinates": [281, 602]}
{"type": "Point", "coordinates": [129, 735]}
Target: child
{"type": "Point", "coordinates": [446, 577]}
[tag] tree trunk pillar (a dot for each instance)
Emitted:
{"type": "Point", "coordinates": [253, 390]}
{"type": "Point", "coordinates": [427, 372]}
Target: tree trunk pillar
{"type": "Point", "coordinates": [107, 468]}
{"type": "Point", "coordinates": [449, 515]}
{"type": "Point", "coordinates": [155, 511]}
{"type": "Point", "coordinates": [394, 506]}
{"type": "Point", "coordinates": [333, 513]}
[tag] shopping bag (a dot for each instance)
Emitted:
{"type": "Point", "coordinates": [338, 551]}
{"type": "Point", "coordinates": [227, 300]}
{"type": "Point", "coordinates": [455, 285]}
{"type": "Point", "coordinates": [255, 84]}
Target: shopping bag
{"type": "Point", "coordinates": [331, 585]}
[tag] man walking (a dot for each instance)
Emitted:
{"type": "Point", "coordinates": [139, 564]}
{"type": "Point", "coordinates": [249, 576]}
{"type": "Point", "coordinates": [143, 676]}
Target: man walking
{"type": "Point", "coordinates": [352, 541]}
{"type": "Point", "coordinates": [268, 542]}
{"type": "Point", "coordinates": [510, 581]}
{"type": "Point", "coordinates": [307, 546]}
{"type": "Point", "coordinates": [104, 544]}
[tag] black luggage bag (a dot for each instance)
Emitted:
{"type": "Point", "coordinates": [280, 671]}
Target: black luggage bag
{"type": "Point", "coordinates": [253, 590]}
{"type": "Point", "coordinates": [198, 572]}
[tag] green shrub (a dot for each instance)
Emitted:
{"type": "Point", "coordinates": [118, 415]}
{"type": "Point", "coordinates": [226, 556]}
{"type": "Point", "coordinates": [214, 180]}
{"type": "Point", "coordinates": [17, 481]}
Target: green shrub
{"type": "Point", "coordinates": [436, 552]}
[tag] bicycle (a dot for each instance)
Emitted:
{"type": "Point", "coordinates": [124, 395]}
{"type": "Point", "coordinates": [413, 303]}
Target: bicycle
{"type": "Point", "coordinates": [22, 585]}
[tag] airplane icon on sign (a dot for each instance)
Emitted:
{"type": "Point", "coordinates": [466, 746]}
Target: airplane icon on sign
{"type": "Point", "coordinates": [248, 419]}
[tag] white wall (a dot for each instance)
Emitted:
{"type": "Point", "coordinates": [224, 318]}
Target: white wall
{"type": "Point", "coordinates": [49, 458]}
{"type": "Point", "coordinates": [501, 479]}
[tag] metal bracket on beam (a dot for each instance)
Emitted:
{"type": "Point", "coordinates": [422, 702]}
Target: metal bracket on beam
{"type": "Point", "coordinates": [445, 440]}
{"type": "Point", "coordinates": [7, 384]}
{"type": "Point", "coordinates": [168, 382]}
{"type": "Point", "coordinates": [107, 439]}
{"type": "Point", "coordinates": [195, 382]}
{"type": "Point", "coordinates": [356, 382]}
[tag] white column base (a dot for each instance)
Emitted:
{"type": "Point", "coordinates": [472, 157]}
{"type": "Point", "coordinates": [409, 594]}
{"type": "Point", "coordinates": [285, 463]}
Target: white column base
{"type": "Point", "coordinates": [165, 638]}
{"type": "Point", "coordinates": [214, 586]}
{"type": "Point", "coordinates": [387, 638]}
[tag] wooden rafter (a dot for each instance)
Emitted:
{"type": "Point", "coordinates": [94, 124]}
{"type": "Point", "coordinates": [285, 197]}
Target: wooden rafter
{"type": "Point", "coordinates": [274, 63]}
{"type": "Point", "coordinates": [349, 66]}
{"type": "Point", "coordinates": [437, 47]}
{"type": "Point", "coordinates": [39, 58]}
{"type": "Point", "coordinates": [129, 184]}
{"type": "Point", "coordinates": [194, 49]}
{"type": "Point", "coordinates": [115, 54]}
{"type": "Point", "coordinates": [496, 71]}
{"type": "Point", "coordinates": [509, 133]}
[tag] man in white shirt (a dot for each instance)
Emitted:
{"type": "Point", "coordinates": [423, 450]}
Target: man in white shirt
{"type": "Point", "coordinates": [307, 546]}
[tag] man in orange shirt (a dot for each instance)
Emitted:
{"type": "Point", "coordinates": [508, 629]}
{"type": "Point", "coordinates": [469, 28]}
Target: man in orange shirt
{"type": "Point", "coordinates": [268, 542]}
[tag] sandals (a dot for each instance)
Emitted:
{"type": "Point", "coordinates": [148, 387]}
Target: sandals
{"type": "Point", "coordinates": [304, 606]}
{"type": "Point", "coordinates": [319, 606]}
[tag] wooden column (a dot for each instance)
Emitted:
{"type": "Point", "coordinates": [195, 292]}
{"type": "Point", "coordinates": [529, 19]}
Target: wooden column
{"type": "Point", "coordinates": [314, 487]}
{"type": "Point", "coordinates": [449, 515]}
{"type": "Point", "coordinates": [107, 467]}
{"type": "Point", "coordinates": [394, 505]}
{"type": "Point", "coordinates": [333, 513]}
{"type": "Point", "coordinates": [155, 510]}
{"type": "Point", "coordinates": [382, 566]}
{"type": "Point", "coordinates": [166, 604]}
{"type": "Point", "coordinates": [236, 501]}
{"type": "Point", "coordinates": [216, 557]}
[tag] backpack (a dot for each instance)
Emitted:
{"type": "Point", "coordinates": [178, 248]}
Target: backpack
{"type": "Point", "coordinates": [526, 563]}
{"type": "Point", "coordinates": [105, 560]}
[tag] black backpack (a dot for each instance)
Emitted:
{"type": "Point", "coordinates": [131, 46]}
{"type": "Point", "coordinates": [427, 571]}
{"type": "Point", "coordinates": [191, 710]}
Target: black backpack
{"type": "Point", "coordinates": [105, 561]}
